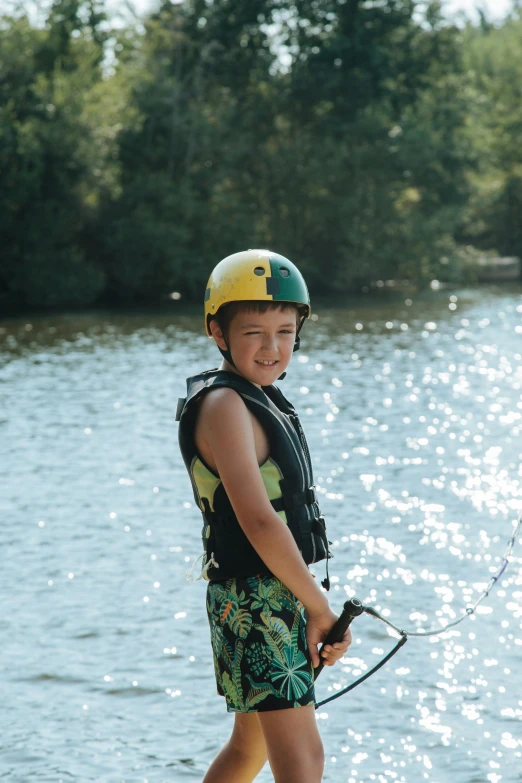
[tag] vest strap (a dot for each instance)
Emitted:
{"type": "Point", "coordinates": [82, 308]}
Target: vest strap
{"type": "Point", "coordinates": [278, 504]}
{"type": "Point", "coordinates": [294, 499]}
{"type": "Point", "coordinates": [181, 403]}
{"type": "Point", "coordinates": [208, 514]}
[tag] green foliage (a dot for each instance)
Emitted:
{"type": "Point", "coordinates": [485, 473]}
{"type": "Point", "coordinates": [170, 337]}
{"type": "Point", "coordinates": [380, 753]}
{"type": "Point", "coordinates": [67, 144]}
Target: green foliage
{"type": "Point", "coordinates": [493, 217]}
{"type": "Point", "coordinates": [349, 136]}
{"type": "Point", "coordinates": [44, 164]}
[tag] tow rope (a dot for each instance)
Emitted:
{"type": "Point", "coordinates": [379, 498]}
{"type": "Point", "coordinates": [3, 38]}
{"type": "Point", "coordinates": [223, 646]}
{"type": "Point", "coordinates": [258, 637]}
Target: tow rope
{"type": "Point", "coordinates": [354, 608]}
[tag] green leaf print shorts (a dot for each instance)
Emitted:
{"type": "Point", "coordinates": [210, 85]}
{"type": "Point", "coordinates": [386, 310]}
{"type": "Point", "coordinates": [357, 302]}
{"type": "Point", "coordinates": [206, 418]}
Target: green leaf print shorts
{"type": "Point", "coordinates": [258, 634]}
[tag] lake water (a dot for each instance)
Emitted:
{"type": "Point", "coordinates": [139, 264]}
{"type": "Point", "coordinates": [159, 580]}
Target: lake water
{"type": "Point", "coordinates": [413, 412]}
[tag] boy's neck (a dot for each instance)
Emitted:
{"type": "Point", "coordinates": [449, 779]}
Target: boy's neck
{"type": "Point", "coordinates": [228, 367]}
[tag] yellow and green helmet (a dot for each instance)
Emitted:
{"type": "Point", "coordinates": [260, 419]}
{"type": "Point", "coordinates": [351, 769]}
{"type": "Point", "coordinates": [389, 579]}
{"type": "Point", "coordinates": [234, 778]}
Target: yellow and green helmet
{"type": "Point", "coordinates": [255, 275]}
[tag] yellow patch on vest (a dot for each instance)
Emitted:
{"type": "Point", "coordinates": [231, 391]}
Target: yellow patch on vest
{"type": "Point", "coordinates": [207, 483]}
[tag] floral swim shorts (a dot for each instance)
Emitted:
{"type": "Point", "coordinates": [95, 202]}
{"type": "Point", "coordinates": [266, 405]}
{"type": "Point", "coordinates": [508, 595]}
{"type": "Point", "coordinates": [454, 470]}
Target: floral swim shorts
{"type": "Point", "coordinates": [258, 634]}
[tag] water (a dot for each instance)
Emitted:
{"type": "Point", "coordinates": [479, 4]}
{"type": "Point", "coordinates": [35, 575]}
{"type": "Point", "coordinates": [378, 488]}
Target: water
{"type": "Point", "coordinates": [413, 413]}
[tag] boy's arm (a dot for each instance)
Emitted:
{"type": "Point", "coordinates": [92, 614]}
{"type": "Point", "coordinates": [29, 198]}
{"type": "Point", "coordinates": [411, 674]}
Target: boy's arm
{"type": "Point", "coordinates": [230, 437]}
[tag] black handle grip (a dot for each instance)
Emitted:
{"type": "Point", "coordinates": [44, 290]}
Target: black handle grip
{"type": "Point", "coordinates": [352, 608]}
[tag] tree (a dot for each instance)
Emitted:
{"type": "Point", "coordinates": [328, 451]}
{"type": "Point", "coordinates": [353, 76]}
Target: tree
{"type": "Point", "coordinates": [44, 157]}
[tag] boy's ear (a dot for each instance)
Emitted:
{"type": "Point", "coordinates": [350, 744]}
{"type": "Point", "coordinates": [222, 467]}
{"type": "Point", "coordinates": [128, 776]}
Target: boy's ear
{"type": "Point", "coordinates": [217, 334]}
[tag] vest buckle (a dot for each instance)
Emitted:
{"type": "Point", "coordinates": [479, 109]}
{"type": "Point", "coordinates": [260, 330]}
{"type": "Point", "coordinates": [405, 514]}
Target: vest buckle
{"type": "Point", "coordinates": [311, 496]}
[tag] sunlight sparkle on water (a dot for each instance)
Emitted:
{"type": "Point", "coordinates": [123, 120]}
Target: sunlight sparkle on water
{"type": "Point", "coordinates": [413, 414]}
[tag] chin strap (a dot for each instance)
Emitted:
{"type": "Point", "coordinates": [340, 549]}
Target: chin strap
{"type": "Point", "coordinates": [227, 355]}
{"type": "Point", "coordinates": [297, 344]}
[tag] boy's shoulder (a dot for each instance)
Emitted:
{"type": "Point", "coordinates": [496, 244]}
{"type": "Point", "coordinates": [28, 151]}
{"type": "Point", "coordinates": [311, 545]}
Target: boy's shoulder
{"type": "Point", "coordinates": [224, 426]}
{"type": "Point", "coordinates": [220, 400]}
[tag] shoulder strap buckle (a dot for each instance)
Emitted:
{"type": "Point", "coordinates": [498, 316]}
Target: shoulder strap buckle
{"type": "Point", "coordinates": [311, 495]}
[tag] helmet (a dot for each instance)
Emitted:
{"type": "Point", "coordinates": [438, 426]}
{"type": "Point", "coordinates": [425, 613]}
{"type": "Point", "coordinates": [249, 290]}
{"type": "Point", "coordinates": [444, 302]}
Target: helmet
{"type": "Point", "coordinates": [255, 275]}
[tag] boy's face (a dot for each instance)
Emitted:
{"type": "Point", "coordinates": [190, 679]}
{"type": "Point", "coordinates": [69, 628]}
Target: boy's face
{"type": "Point", "coordinates": [261, 343]}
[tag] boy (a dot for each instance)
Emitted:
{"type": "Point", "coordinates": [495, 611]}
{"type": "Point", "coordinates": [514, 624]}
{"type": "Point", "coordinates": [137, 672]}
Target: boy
{"type": "Point", "coordinates": [250, 468]}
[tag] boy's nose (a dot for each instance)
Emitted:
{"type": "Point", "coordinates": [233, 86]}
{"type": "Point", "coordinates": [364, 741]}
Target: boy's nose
{"type": "Point", "coordinates": [270, 342]}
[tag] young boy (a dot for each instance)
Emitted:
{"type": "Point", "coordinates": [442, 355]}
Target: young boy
{"type": "Point", "coordinates": [251, 473]}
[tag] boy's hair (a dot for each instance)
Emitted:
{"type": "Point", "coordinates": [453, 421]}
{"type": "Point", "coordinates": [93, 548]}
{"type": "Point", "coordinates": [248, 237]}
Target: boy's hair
{"type": "Point", "coordinates": [228, 312]}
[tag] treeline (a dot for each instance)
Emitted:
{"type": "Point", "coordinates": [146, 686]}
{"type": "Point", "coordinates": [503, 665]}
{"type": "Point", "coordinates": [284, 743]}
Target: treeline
{"type": "Point", "coordinates": [357, 138]}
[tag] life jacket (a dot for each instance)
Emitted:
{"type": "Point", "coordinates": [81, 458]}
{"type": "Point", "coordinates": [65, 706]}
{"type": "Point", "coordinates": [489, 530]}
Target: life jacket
{"type": "Point", "coordinates": [287, 475]}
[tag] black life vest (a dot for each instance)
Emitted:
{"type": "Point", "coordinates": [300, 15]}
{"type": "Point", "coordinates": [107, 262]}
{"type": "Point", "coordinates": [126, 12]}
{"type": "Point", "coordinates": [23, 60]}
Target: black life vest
{"type": "Point", "coordinates": [224, 542]}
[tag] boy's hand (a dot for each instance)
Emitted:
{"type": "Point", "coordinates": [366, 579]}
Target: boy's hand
{"type": "Point", "coordinates": [317, 628]}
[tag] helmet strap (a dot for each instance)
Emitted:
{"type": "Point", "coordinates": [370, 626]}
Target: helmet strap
{"type": "Point", "coordinates": [226, 354]}
{"type": "Point", "coordinates": [297, 343]}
